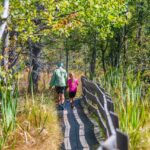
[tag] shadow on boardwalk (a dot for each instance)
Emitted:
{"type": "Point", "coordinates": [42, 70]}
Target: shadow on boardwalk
{"type": "Point", "coordinates": [77, 128]}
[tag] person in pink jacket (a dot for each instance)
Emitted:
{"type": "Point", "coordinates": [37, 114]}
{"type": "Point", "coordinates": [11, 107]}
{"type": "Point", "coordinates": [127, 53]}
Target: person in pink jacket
{"type": "Point", "coordinates": [72, 84]}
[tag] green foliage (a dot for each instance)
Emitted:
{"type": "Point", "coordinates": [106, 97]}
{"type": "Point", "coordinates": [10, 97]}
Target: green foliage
{"type": "Point", "coordinates": [101, 16]}
{"type": "Point", "coordinates": [130, 104]}
{"type": "Point", "coordinates": [40, 18]}
{"type": "Point", "coordinates": [117, 30]}
{"type": "Point", "coordinates": [35, 18]}
{"type": "Point", "coordinates": [8, 97]}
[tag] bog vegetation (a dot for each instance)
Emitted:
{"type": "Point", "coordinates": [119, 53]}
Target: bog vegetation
{"type": "Point", "coordinates": [108, 41]}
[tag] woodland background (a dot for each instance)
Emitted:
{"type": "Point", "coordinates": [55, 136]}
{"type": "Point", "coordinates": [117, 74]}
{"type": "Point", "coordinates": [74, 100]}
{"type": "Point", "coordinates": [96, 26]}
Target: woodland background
{"type": "Point", "coordinates": [106, 40]}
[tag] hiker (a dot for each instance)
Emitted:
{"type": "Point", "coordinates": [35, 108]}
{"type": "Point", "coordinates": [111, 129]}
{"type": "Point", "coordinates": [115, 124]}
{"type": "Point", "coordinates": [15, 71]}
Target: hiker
{"type": "Point", "coordinates": [72, 84]}
{"type": "Point", "coordinates": [58, 80]}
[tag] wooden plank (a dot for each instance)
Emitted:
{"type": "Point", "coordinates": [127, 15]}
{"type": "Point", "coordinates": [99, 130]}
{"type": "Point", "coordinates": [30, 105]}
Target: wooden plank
{"type": "Point", "coordinates": [84, 91]}
{"type": "Point", "coordinates": [83, 142]}
{"type": "Point", "coordinates": [110, 105]}
{"type": "Point", "coordinates": [90, 97]}
{"type": "Point", "coordinates": [110, 143]}
{"type": "Point", "coordinates": [109, 124]}
{"type": "Point", "coordinates": [66, 122]}
{"type": "Point", "coordinates": [102, 123]}
{"type": "Point", "coordinates": [81, 129]}
{"type": "Point", "coordinates": [100, 96]}
{"type": "Point", "coordinates": [95, 101]}
{"type": "Point", "coordinates": [94, 96]}
{"type": "Point", "coordinates": [83, 80]}
{"type": "Point", "coordinates": [90, 86]}
{"type": "Point", "coordinates": [97, 113]}
{"type": "Point", "coordinates": [100, 87]}
{"type": "Point", "coordinates": [108, 97]}
{"type": "Point", "coordinates": [105, 112]}
{"type": "Point", "coordinates": [114, 119]}
{"type": "Point", "coordinates": [102, 111]}
{"type": "Point", "coordinates": [122, 140]}
{"type": "Point", "coordinates": [67, 143]}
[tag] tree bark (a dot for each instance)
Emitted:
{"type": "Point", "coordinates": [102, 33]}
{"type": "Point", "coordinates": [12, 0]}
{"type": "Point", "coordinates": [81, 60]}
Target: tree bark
{"type": "Point", "coordinates": [103, 49]}
{"type": "Point", "coordinates": [85, 63]}
{"type": "Point", "coordinates": [4, 34]}
{"type": "Point", "coordinates": [93, 58]}
{"type": "Point", "coordinates": [140, 23]}
{"type": "Point", "coordinates": [5, 49]}
{"type": "Point", "coordinates": [35, 50]}
{"type": "Point", "coordinates": [125, 46]}
{"type": "Point", "coordinates": [103, 61]}
{"type": "Point", "coordinates": [118, 50]}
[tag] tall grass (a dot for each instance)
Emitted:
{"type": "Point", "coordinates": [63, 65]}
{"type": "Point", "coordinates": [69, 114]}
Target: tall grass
{"type": "Point", "coordinates": [131, 104]}
{"type": "Point", "coordinates": [37, 124]}
{"type": "Point", "coordinates": [8, 98]}
{"type": "Point", "coordinates": [28, 121]}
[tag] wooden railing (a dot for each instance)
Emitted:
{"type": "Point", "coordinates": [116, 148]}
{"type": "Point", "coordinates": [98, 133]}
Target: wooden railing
{"type": "Point", "coordinates": [102, 106]}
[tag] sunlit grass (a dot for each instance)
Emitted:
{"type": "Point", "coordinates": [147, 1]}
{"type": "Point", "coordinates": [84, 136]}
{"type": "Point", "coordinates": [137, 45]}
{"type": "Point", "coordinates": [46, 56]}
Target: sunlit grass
{"type": "Point", "coordinates": [27, 121]}
{"type": "Point", "coordinates": [8, 99]}
{"type": "Point", "coordinates": [37, 125]}
{"type": "Point", "coordinates": [131, 104]}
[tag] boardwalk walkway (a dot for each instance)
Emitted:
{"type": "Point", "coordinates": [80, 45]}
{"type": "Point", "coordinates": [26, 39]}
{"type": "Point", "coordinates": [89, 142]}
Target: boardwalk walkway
{"type": "Point", "coordinates": [77, 128]}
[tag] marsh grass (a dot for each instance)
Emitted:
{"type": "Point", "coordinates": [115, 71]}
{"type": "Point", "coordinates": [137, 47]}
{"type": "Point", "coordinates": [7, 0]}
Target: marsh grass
{"type": "Point", "coordinates": [8, 99]}
{"type": "Point", "coordinates": [131, 104]}
{"type": "Point", "coordinates": [27, 121]}
{"type": "Point", "coordinates": [37, 125]}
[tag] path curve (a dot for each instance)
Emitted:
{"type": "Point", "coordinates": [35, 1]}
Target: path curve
{"type": "Point", "coordinates": [78, 130]}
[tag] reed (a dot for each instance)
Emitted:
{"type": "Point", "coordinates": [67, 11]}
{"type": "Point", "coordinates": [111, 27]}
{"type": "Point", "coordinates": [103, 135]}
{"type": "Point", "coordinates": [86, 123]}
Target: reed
{"type": "Point", "coordinates": [131, 104]}
{"type": "Point", "coordinates": [8, 97]}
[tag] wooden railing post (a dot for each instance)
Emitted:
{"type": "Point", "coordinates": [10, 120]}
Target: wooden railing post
{"type": "Point", "coordinates": [102, 106]}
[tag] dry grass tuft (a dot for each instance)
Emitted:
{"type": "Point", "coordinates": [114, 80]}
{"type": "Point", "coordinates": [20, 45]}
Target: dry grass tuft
{"type": "Point", "coordinates": [37, 127]}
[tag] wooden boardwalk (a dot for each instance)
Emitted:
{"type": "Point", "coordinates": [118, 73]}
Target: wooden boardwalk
{"type": "Point", "coordinates": [77, 128]}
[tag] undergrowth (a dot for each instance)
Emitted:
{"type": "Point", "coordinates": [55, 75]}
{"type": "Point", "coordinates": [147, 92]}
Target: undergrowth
{"type": "Point", "coordinates": [37, 125]}
{"type": "Point", "coordinates": [132, 105]}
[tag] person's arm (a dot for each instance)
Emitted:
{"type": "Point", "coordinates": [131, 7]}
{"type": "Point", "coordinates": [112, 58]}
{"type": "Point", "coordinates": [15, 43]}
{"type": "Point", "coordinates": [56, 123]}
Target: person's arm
{"type": "Point", "coordinates": [52, 82]}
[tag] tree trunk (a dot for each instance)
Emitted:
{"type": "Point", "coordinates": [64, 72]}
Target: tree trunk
{"type": "Point", "coordinates": [118, 50]}
{"type": "Point", "coordinates": [5, 49]}
{"type": "Point", "coordinates": [125, 40]}
{"type": "Point", "coordinates": [125, 46]}
{"type": "Point", "coordinates": [85, 63]}
{"type": "Point", "coordinates": [93, 58]}
{"type": "Point", "coordinates": [111, 54]}
{"type": "Point", "coordinates": [140, 23]}
{"type": "Point", "coordinates": [103, 49]}
{"type": "Point", "coordinates": [35, 50]}
{"type": "Point", "coordinates": [4, 34]}
{"type": "Point", "coordinates": [103, 61]}
{"type": "Point", "coordinates": [139, 31]}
